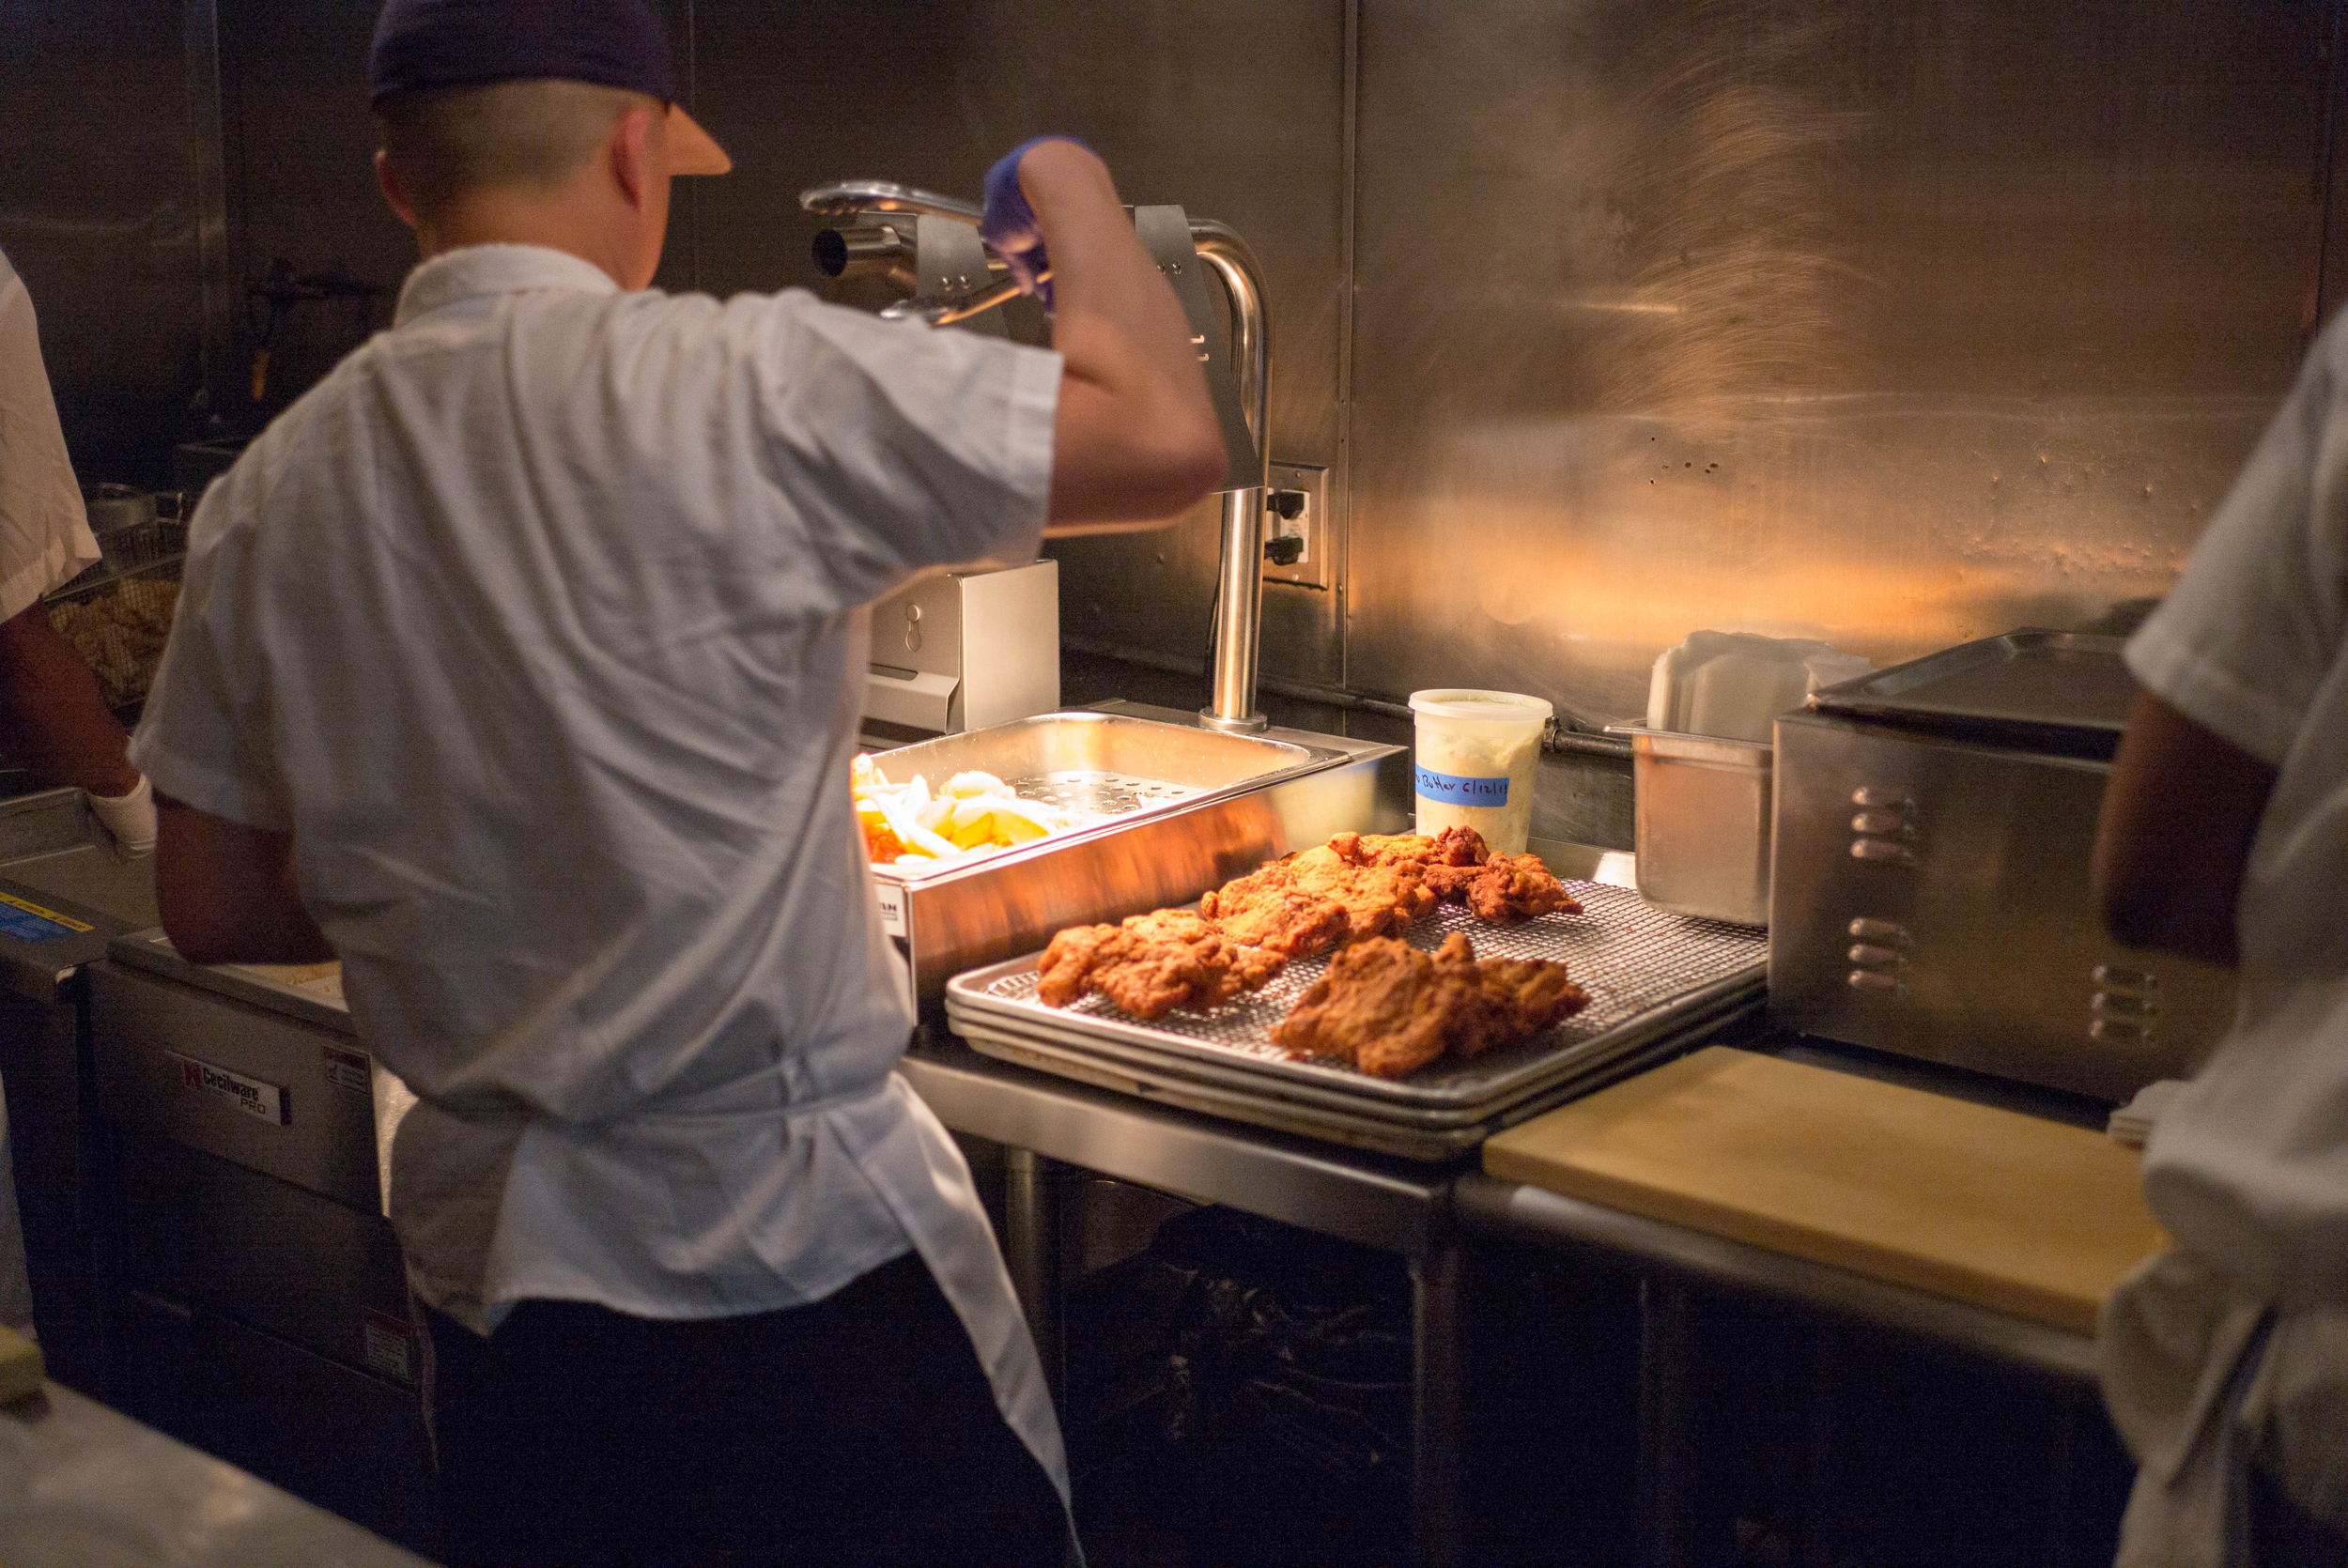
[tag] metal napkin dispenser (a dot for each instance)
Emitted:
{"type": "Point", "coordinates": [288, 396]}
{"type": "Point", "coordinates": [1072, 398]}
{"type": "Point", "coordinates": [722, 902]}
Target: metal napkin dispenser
{"type": "Point", "coordinates": [1929, 885]}
{"type": "Point", "coordinates": [963, 651]}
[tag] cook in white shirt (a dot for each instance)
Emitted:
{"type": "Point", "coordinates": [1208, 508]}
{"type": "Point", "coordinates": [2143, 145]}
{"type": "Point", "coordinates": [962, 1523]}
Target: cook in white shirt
{"type": "Point", "coordinates": [51, 715]}
{"type": "Point", "coordinates": [2225, 836]}
{"type": "Point", "coordinates": [518, 663]}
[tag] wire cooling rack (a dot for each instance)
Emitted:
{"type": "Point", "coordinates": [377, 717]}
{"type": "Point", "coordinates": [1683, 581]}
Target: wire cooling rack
{"type": "Point", "coordinates": [1648, 971]}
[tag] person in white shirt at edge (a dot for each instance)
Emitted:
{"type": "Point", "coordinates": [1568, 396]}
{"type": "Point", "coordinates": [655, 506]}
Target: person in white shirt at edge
{"type": "Point", "coordinates": [52, 718]}
{"type": "Point", "coordinates": [2225, 837]}
{"type": "Point", "coordinates": [519, 664]}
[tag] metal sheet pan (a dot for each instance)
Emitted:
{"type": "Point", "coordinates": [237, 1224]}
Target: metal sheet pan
{"type": "Point", "coordinates": [1339, 1127]}
{"type": "Point", "coordinates": [1407, 1140]}
{"type": "Point", "coordinates": [1162, 1068]}
{"type": "Point", "coordinates": [2064, 690]}
{"type": "Point", "coordinates": [1646, 970]}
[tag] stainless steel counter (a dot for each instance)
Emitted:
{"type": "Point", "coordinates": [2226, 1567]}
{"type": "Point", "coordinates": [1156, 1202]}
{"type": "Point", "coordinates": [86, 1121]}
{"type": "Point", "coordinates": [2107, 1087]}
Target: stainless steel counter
{"type": "Point", "coordinates": [1684, 1257]}
{"type": "Point", "coordinates": [83, 1486]}
{"type": "Point", "coordinates": [1395, 1204]}
{"type": "Point", "coordinates": [64, 895]}
{"type": "Point", "coordinates": [49, 841]}
{"type": "Point", "coordinates": [1433, 1216]}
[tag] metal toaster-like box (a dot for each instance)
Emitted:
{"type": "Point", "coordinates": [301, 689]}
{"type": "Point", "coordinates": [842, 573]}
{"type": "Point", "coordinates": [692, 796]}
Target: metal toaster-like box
{"type": "Point", "coordinates": [963, 651]}
{"type": "Point", "coordinates": [1930, 896]}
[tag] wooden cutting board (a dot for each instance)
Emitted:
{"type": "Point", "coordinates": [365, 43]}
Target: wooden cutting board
{"type": "Point", "coordinates": [2005, 1211]}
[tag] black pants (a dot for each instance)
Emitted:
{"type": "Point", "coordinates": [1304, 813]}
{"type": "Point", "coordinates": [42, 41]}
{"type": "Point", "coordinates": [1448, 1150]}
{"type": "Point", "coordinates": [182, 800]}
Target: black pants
{"type": "Point", "coordinates": [2285, 1535]}
{"type": "Point", "coordinates": [858, 1429]}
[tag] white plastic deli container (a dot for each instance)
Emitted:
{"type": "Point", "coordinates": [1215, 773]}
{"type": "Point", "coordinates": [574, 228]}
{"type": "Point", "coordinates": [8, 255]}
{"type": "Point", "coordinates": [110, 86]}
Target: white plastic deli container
{"type": "Point", "coordinates": [1477, 754]}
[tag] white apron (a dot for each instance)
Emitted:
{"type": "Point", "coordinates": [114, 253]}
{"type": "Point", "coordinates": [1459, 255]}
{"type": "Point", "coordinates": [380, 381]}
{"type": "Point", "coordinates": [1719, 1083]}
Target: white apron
{"type": "Point", "coordinates": [2201, 1379]}
{"type": "Point", "coordinates": [911, 1160]}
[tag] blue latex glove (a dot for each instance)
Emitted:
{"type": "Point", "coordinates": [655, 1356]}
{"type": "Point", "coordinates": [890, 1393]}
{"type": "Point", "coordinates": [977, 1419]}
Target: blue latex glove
{"type": "Point", "coordinates": [1008, 222]}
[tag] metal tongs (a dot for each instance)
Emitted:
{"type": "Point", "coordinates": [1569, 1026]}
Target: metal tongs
{"type": "Point", "coordinates": [856, 198]}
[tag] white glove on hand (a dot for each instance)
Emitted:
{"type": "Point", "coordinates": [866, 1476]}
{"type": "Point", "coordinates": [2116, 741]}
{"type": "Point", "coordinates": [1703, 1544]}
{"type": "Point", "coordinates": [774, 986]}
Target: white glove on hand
{"type": "Point", "coordinates": [128, 819]}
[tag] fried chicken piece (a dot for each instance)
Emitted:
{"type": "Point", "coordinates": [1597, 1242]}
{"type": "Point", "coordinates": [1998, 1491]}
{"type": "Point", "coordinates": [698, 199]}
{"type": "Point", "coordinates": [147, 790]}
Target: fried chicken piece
{"type": "Point", "coordinates": [1152, 964]}
{"type": "Point", "coordinates": [1389, 1009]}
{"type": "Point", "coordinates": [1063, 972]}
{"type": "Point", "coordinates": [1453, 846]}
{"type": "Point", "coordinates": [1510, 888]}
{"type": "Point", "coordinates": [1252, 965]}
{"type": "Point", "coordinates": [1386, 1008]}
{"type": "Point", "coordinates": [1450, 884]}
{"type": "Point", "coordinates": [1281, 919]}
{"type": "Point", "coordinates": [1287, 904]}
{"type": "Point", "coordinates": [1383, 849]}
{"type": "Point", "coordinates": [1377, 899]}
{"type": "Point", "coordinates": [1526, 996]}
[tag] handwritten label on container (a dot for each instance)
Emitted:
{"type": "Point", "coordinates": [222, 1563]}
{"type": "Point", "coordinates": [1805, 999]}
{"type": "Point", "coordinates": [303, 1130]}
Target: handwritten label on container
{"type": "Point", "coordinates": [1453, 789]}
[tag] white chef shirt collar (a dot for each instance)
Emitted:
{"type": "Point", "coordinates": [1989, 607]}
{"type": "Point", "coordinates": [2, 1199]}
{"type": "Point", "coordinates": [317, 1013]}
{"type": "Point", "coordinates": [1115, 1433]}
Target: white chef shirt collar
{"type": "Point", "coordinates": [476, 271]}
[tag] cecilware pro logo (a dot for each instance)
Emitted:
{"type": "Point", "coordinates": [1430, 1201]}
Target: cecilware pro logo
{"type": "Point", "coordinates": [249, 1095]}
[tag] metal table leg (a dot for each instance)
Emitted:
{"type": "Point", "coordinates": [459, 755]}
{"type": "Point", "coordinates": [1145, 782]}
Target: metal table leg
{"type": "Point", "coordinates": [1666, 1447]}
{"type": "Point", "coordinates": [1823, 1525]}
{"type": "Point", "coordinates": [1435, 1407]}
{"type": "Point", "coordinates": [1031, 1251]}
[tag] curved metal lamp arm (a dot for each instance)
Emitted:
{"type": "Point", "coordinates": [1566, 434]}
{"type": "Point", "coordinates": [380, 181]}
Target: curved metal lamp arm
{"type": "Point", "coordinates": [1234, 262]}
{"type": "Point", "coordinates": [1239, 585]}
{"type": "Point", "coordinates": [845, 198]}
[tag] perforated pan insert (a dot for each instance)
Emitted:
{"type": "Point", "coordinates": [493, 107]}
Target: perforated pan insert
{"type": "Point", "coordinates": [1092, 789]}
{"type": "Point", "coordinates": [1640, 965]}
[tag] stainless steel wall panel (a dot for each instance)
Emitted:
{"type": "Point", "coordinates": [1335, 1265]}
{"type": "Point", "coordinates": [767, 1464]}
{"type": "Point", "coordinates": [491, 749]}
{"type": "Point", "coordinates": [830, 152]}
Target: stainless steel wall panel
{"type": "Point", "coordinates": [1233, 111]}
{"type": "Point", "coordinates": [300, 148]}
{"type": "Point", "coordinates": [1894, 323]}
{"type": "Point", "coordinates": [98, 212]}
{"type": "Point", "coordinates": [1889, 324]}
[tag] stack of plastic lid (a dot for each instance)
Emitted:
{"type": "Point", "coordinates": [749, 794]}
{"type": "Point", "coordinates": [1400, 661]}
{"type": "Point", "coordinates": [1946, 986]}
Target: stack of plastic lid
{"type": "Point", "coordinates": [1734, 684]}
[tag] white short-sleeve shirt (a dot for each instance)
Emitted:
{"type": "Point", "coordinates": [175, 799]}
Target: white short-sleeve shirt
{"type": "Point", "coordinates": [2232, 1349]}
{"type": "Point", "coordinates": [2248, 1167]}
{"type": "Point", "coordinates": [45, 535]}
{"type": "Point", "coordinates": [539, 624]}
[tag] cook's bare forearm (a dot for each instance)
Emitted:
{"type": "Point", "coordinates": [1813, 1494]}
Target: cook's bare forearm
{"type": "Point", "coordinates": [227, 892]}
{"type": "Point", "coordinates": [2180, 814]}
{"type": "Point", "coordinates": [51, 714]}
{"type": "Point", "coordinates": [1136, 437]}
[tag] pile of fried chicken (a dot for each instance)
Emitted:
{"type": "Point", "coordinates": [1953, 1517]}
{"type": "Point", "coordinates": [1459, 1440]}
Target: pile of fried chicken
{"type": "Point", "coordinates": [1384, 1005]}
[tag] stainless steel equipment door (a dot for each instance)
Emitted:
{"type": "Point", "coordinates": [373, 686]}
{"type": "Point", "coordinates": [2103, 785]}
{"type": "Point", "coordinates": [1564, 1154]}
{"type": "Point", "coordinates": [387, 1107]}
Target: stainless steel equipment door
{"type": "Point", "coordinates": [236, 1081]}
{"type": "Point", "coordinates": [338, 1439]}
{"type": "Point", "coordinates": [210, 1234]}
{"type": "Point", "coordinates": [1932, 897]}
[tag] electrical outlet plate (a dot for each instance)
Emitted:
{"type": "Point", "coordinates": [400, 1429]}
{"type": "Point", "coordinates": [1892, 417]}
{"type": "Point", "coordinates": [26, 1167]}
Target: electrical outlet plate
{"type": "Point", "coordinates": [1311, 569]}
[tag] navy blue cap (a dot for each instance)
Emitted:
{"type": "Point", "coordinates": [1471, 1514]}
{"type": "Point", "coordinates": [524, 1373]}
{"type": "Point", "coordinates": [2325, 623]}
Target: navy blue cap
{"type": "Point", "coordinates": [423, 44]}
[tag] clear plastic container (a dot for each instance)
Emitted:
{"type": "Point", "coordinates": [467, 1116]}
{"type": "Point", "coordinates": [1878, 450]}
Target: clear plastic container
{"type": "Point", "coordinates": [1477, 753]}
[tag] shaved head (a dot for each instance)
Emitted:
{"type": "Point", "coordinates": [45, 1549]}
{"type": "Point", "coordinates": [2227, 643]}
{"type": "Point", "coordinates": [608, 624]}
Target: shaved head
{"type": "Point", "coordinates": [529, 135]}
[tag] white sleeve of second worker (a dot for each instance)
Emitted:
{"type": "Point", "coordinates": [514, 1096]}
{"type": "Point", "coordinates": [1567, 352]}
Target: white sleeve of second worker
{"type": "Point", "coordinates": [2255, 620]}
{"type": "Point", "coordinates": [899, 448]}
{"type": "Point", "coordinates": [44, 537]}
{"type": "Point", "coordinates": [205, 737]}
